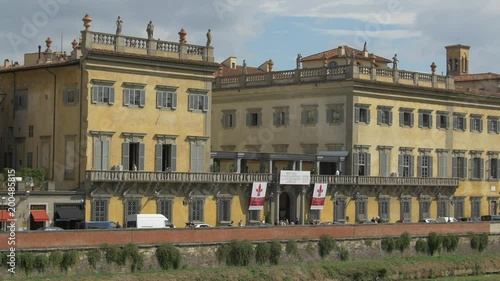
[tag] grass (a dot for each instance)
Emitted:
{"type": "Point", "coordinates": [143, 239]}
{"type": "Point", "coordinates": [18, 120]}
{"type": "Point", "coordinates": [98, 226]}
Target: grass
{"type": "Point", "coordinates": [404, 268]}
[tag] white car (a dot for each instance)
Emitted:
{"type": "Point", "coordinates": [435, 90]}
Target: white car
{"type": "Point", "coordinates": [202, 225]}
{"type": "Point", "coordinates": [446, 219]}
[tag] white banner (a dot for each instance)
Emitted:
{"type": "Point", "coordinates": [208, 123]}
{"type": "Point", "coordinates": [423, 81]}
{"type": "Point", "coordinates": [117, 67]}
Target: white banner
{"type": "Point", "coordinates": [295, 177]}
{"type": "Point", "coordinates": [258, 196]}
{"type": "Point", "coordinates": [319, 194]}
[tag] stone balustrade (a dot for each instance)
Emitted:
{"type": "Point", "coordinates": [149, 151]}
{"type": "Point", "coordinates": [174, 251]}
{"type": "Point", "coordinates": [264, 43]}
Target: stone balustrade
{"type": "Point", "coordinates": [141, 176]}
{"type": "Point", "coordinates": [336, 73]}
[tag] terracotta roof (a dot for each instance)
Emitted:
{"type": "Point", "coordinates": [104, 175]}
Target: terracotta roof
{"type": "Point", "coordinates": [149, 57]}
{"type": "Point", "coordinates": [333, 53]}
{"type": "Point", "coordinates": [38, 66]}
{"type": "Point", "coordinates": [227, 71]}
{"type": "Point", "coordinates": [477, 92]}
{"type": "Point", "coordinates": [477, 77]}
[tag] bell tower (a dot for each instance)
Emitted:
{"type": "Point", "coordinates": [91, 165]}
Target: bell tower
{"type": "Point", "coordinates": [457, 60]}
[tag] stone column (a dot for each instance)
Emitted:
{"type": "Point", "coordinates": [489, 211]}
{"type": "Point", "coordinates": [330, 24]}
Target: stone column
{"type": "Point", "coordinates": [302, 204]}
{"type": "Point", "coordinates": [294, 165]}
{"type": "Point", "coordinates": [151, 44]}
{"type": "Point", "coordinates": [270, 166]}
{"type": "Point", "coordinates": [300, 164]}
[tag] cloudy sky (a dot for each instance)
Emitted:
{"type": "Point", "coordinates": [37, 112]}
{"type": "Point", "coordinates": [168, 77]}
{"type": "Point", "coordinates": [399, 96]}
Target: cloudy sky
{"type": "Point", "coordinates": [259, 30]}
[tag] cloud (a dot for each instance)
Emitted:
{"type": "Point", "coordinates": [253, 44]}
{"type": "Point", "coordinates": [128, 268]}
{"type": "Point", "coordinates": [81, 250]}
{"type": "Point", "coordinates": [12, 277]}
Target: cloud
{"type": "Point", "coordinates": [380, 34]}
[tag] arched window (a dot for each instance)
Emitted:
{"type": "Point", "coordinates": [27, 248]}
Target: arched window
{"type": "Point", "coordinates": [332, 64]}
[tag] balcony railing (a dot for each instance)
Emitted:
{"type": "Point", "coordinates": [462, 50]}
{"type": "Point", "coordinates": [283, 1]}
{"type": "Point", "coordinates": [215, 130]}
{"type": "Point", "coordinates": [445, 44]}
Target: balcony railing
{"type": "Point", "coordinates": [140, 176]}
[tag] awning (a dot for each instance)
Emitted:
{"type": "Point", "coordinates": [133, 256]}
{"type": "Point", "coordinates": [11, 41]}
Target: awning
{"type": "Point", "coordinates": [39, 215]}
{"type": "Point", "coordinates": [5, 216]}
{"type": "Point", "coordinates": [70, 213]}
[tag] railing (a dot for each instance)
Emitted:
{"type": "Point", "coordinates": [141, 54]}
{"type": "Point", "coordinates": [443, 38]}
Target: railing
{"type": "Point", "coordinates": [364, 70]}
{"type": "Point", "coordinates": [168, 46]}
{"type": "Point", "coordinates": [425, 77]}
{"type": "Point", "coordinates": [139, 176]}
{"type": "Point", "coordinates": [287, 74]}
{"type": "Point", "coordinates": [134, 42]}
{"type": "Point", "coordinates": [406, 75]}
{"type": "Point", "coordinates": [339, 70]}
{"type": "Point", "coordinates": [257, 77]}
{"type": "Point", "coordinates": [310, 72]}
{"type": "Point", "coordinates": [103, 38]}
{"type": "Point", "coordinates": [384, 72]}
{"type": "Point", "coordinates": [195, 50]}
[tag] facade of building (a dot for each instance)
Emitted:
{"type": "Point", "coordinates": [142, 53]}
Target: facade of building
{"type": "Point", "coordinates": [405, 145]}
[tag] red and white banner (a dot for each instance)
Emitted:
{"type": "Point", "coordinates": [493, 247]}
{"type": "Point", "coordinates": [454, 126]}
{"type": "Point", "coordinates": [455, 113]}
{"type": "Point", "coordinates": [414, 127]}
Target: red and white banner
{"type": "Point", "coordinates": [258, 196]}
{"type": "Point", "coordinates": [318, 199]}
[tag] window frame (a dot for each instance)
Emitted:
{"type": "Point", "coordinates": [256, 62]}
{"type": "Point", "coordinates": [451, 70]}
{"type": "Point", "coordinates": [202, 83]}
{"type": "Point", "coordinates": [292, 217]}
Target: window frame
{"type": "Point", "coordinates": [459, 122]}
{"type": "Point", "coordinates": [21, 100]}
{"type": "Point", "coordinates": [251, 114]}
{"type": "Point", "coordinates": [362, 110]}
{"type": "Point", "coordinates": [422, 114]}
{"type": "Point", "coordinates": [406, 117]}
{"type": "Point", "coordinates": [224, 215]}
{"type": "Point", "coordinates": [166, 99]}
{"type": "Point", "coordinates": [228, 119]}
{"type": "Point", "coordinates": [440, 117]}
{"type": "Point", "coordinates": [476, 123]}
{"type": "Point", "coordinates": [493, 124]}
{"type": "Point", "coordinates": [281, 116]}
{"type": "Point", "coordinates": [334, 114]}
{"type": "Point", "coordinates": [384, 115]}
{"type": "Point", "coordinates": [165, 206]}
{"type": "Point", "coordinates": [99, 209]}
{"type": "Point", "coordinates": [198, 101]}
{"type": "Point", "coordinates": [103, 94]}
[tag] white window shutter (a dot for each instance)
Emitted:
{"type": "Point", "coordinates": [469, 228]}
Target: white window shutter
{"type": "Point", "coordinates": [94, 94]}
{"type": "Point", "coordinates": [205, 102]}
{"type": "Point", "coordinates": [142, 101]}
{"type": "Point", "coordinates": [159, 101]}
{"type": "Point", "coordinates": [111, 99]}
{"type": "Point", "coordinates": [174, 100]}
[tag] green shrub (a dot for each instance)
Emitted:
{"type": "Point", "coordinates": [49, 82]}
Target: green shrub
{"type": "Point", "coordinates": [93, 257]}
{"type": "Point", "coordinates": [27, 262]}
{"type": "Point", "coordinates": [112, 254]}
{"type": "Point", "coordinates": [404, 241]}
{"type": "Point", "coordinates": [222, 253]}
{"type": "Point", "coordinates": [262, 253]}
{"type": "Point", "coordinates": [292, 248]}
{"type": "Point", "coordinates": [275, 254]}
{"type": "Point", "coordinates": [368, 243]}
{"type": "Point", "coordinates": [388, 244]}
{"type": "Point", "coordinates": [421, 246]}
{"type": "Point", "coordinates": [434, 243]}
{"type": "Point", "coordinates": [55, 259]}
{"type": "Point", "coordinates": [450, 242]}
{"type": "Point", "coordinates": [69, 260]}
{"type": "Point", "coordinates": [240, 253]}
{"type": "Point", "coordinates": [4, 259]}
{"type": "Point", "coordinates": [168, 256]}
{"type": "Point", "coordinates": [478, 241]}
{"type": "Point", "coordinates": [41, 263]}
{"type": "Point", "coordinates": [326, 245]}
{"type": "Point", "coordinates": [131, 253]}
{"type": "Point", "coordinates": [343, 253]}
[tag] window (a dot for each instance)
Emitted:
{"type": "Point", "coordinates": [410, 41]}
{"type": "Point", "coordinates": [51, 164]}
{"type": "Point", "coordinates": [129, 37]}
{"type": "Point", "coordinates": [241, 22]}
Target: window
{"type": "Point", "coordinates": [384, 209]}
{"type": "Point", "coordinates": [196, 210]}
{"type": "Point", "coordinates": [340, 207]}
{"type": "Point", "coordinates": [493, 125]}
{"type": "Point", "coordinates": [70, 96]}
{"type": "Point", "coordinates": [254, 215]}
{"type": "Point", "coordinates": [476, 124]}
{"type": "Point", "coordinates": [224, 211]}
{"type": "Point", "coordinates": [30, 131]}
{"type": "Point", "coordinates": [309, 148]}
{"type": "Point", "coordinates": [165, 207]}
{"type": "Point", "coordinates": [197, 158]}
{"type": "Point", "coordinates": [280, 116]}
{"type": "Point", "coordinates": [475, 207]}
{"type": "Point", "coordinates": [133, 155]}
{"type": "Point", "coordinates": [494, 167]}
{"type": "Point", "coordinates": [424, 166]}
{"type": "Point", "coordinates": [459, 166]}
{"type": "Point", "coordinates": [361, 164]}
{"type": "Point", "coordinates": [134, 97]}
{"type": "Point", "coordinates": [309, 115]}
{"type": "Point", "coordinates": [166, 100]}
{"type": "Point", "coordinates": [70, 158]}
{"type": "Point", "coordinates": [21, 100]}
{"type": "Point", "coordinates": [459, 207]}
{"type": "Point", "coordinates": [442, 163]}
{"type": "Point", "coordinates": [406, 208]}
{"type": "Point", "coordinates": [101, 142]}
{"type": "Point", "coordinates": [385, 161]}
{"type": "Point", "coordinates": [477, 167]}
{"type": "Point", "coordinates": [315, 215]}
{"type": "Point", "coordinates": [228, 119]}
{"type": "Point", "coordinates": [29, 162]}
{"type": "Point", "coordinates": [361, 209]}
{"type": "Point", "coordinates": [198, 101]}
{"type": "Point", "coordinates": [406, 165]}
{"type": "Point", "coordinates": [425, 206]}
{"type": "Point", "coordinates": [254, 117]}
{"type": "Point", "coordinates": [443, 209]}
{"type": "Point", "coordinates": [332, 64]}
{"type": "Point", "coordinates": [459, 122]}
{"type": "Point", "coordinates": [165, 158]}
{"type": "Point", "coordinates": [406, 117]}
{"type": "Point", "coordinates": [362, 113]}
{"type": "Point", "coordinates": [384, 115]}
{"type": "Point", "coordinates": [99, 210]}
{"type": "Point", "coordinates": [442, 120]}
{"type": "Point", "coordinates": [132, 207]}
{"type": "Point", "coordinates": [335, 114]}
{"type": "Point", "coordinates": [103, 94]}
{"type": "Point", "coordinates": [425, 119]}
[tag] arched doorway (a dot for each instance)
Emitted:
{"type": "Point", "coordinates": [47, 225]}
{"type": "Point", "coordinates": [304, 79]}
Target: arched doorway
{"type": "Point", "coordinates": [285, 207]}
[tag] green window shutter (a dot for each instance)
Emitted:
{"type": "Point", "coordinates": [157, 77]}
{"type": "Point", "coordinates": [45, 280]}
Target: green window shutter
{"type": "Point", "coordinates": [77, 95]}
{"type": "Point", "coordinates": [454, 167]}
{"type": "Point", "coordinates": [158, 157]}
{"type": "Point", "coordinates": [368, 116]}
{"type": "Point", "coordinates": [368, 164]}
{"type": "Point", "coordinates": [194, 152]}
{"type": "Point", "coordinates": [111, 99]}
{"type": "Point", "coordinates": [142, 101]}
{"type": "Point", "coordinates": [390, 118]}
{"type": "Point", "coordinates": [223, 120]}
{"type": "Point", "coordinates": [356, 115]}
{"type": "Point", "coordinates": [430, 120]}
{"type": "Point", "coordinates": [419, 166]}
{"type": "Point", "coordinates": [126, 97]}
{"type": "Point", "coordinates": [304, 117]}
{"type": "Point", "coordinates": [480, 125]}
{"type": "Point", "coordinates": [431, 166]}
{"type": "Point", "coordinates": [275, 118]}
{"type": "Point", "coordinates": [465, 169]}
{"type": "Point", "coordinates": [65, 97]}
{"type": "Point", "coordinates": [316, 116]}
{"type": "Point", "coordinates": [498, 167]}
{"type": "Point", "coordinates": [447, 126]}
{"type": "Point", "coordinates": [472, 126]}
{"type": "Point", "coordinates": [94, 94]}
{"type": "Point", "coordinates": [205, 102]}
{"type": "Point", "coordinates": [382, 165]}
{"type": "Point", "coordinates": [287, 118]}
{"type": "Point", "coordinates": [472, 166]}
{"type": "Point", "coordinates": [159, 99]}
{"type": "Point", "coordinates": [174, 100]}
{"type": "Point", "coordinates": [400, 165]}
{"type": "Point", "coordinates": [125, 156]}
{"type": "Point", "coordinates": [259, 118]}
{"type": "Point", "coordinates": [329, 116]}
{"type": "Point", "coordinates": [401, 118]}
{"type": "Point", "coordinates": [201, 158]}
{"type": "Point", "coordinates": [105, 155]}
{"type": "Point", "coordinates": [341, 115]}
{"type": "Point", "coordinates": [249, 119]}
{"type": "Point", "coordinates": [420, 120]}
{"type": "Point", "coordinates": [412, 166]}
{"type": "Point", "coordinates": [455, 122]}
{"type": "Point", "coordinates": [97, 155]}
{"type": "Point", "coordinates": [355, 164]}
{"type": "Point", "coordinates": [498, 127]}
{"type": "Point", "coordinates": [191, 102]}
{"type": "Point", "coordinates": [481, 168]}
{"type": "Point", "coordinates": [379, 116]}
{"type": "Point", "coordinates": [142, 150]}
{"type": "Point", "coordinates": [465, 124]}
{"type": "Point", "coordinates": [173, 157]}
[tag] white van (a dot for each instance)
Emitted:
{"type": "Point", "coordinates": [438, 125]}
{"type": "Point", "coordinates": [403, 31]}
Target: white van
{"type": "Point", "coordinates": [446, 219]}
{"type": "Point", "coordinates": [148, 221]}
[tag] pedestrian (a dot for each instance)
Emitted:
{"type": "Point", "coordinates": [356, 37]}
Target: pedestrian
{"type": "Point", "coordinates": [296, 221]}
{"type": "Point", "coordinates": [240, 223]}
{"type": "Point", "coordinates": [231, 224]}
{"type": "Point", "coordinates": [373, 219]}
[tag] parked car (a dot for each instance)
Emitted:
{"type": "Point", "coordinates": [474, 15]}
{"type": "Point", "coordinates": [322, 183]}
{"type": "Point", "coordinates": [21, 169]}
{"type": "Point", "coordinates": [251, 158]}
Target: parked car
{"type": "Point", "coordinates": [427, 220]}
{"type": "Point", "coordinates": [446, 219]}
{"type": "Point", "coordinates": [51, 228]}
{"type": "Point", "coordinates": [331, 223]}
{"type": "Point", "coordinates": [403, 221]}
{"type": "Point", "coordinates": [202, 225]}
{"type": "Point", "coordinates": [97, 225]}
{"type": "Point", "coordinates": [262, 224]}
{"type": "Point", "coordinates": [490, 218]}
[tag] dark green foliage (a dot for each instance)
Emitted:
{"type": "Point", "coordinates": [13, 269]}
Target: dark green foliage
{"type": "Point", "coordinates": [222, 253]}
{"type": "Point", "coordinates": [55, 259]}
{"type": "Point", "coordinates": [240, 253]}
{"type": "Point", "coordinates": [478, 241]}
{"type": "Point", "coordinates": [275, 254]}
{"type": "Point", "coordinates": [326, 245]}
{"type": "Point", "coordinates": [450, 242]}
{"type": "Point", "coordinates": [168, 256]}
{"type": "Point", "coordinates": [404, 242]}
{"type": "Point", "coordinates": [93, 257]}
{"type": "Point", "coordinates": [69, 260]}
{"type": "Point", "coordinates": [262, 253]}
{"type": "Point", "coordinates": [388, 244]}
{"type": "Point", "coordinates": [421, 246]}
{"type": "Point", "coordinates": [292, 248]}
{"type": "Point", "coordinates": [343, 253]}
{"type": "Point", "coordinates": [434, 243]}
{"type": "Point", "coordinates": [27, 262]}
{"type": "Point", "coordinates": [37, 175]}
{"type": "Point", "coordinates": [41, 263]}
{"type": "Point", "coordinates": [112, 254]}
{"type": "Point", "coordinates": [131, 253]}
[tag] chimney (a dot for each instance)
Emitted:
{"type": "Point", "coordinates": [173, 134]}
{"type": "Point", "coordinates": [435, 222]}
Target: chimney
{"type": "Point", "coordinates": [6, 63]}
{"type": "Point", "coordinates": [39, 60]}
{"type": "Point", "coordinates": [341, 51]}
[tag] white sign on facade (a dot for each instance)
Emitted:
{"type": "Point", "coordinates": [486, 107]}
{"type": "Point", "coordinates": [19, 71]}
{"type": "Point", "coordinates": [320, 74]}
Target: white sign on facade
{"type": "Point", "coordinates": [295, 177]}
